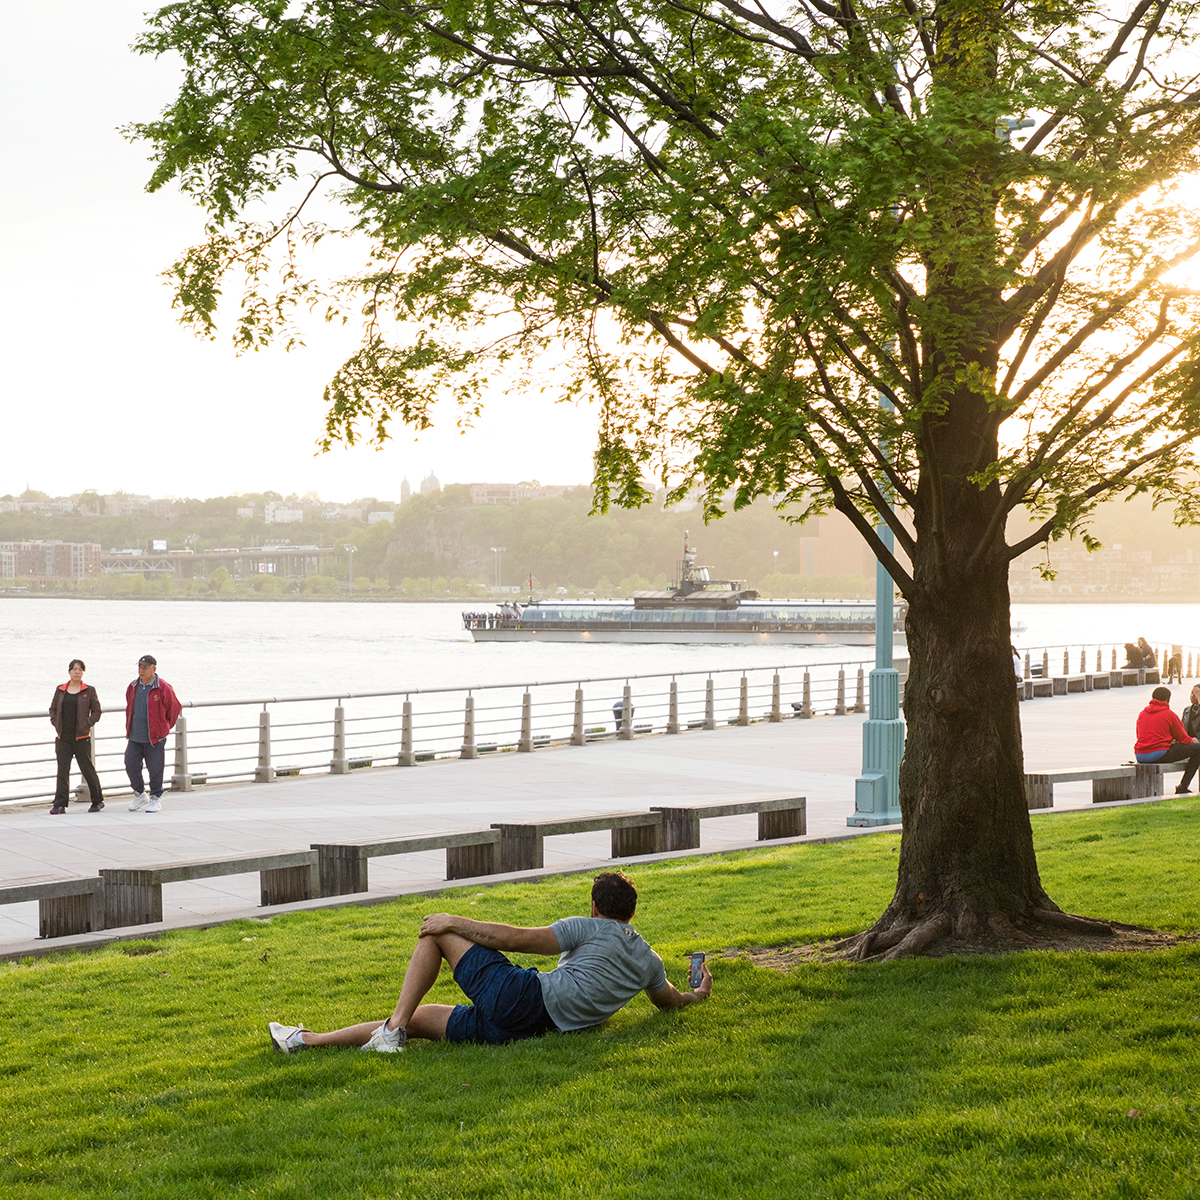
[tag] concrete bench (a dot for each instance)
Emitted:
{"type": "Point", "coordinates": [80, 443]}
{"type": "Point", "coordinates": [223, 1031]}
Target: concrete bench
{"type": "Point", "coordinates": [1108, 783]}
{"type": "Point", "coordinates": [1038, 687]}
{"type": "Point", "coordinates": [65, 906]}
{"type": "Point", "coordinates": [777, 818]}
{"type": "Point", "coordinates": [342, 866]}
{"type": "Point", "coordinates": [632, 833]}
{"type": "Point", "coordinates": [1064, 685]}
{"type": "Point", "coordinates": [133, 895]}
{"type": "Point", "coordinates": [1150, 777]}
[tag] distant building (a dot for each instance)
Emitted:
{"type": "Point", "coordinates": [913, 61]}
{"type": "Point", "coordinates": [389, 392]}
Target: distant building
{"type": "Point", "coordinates": [126, 506]}
{"type": "Point", "coordinates": [429, 484]}
{"type": "Point", "coordinates": [375, 517]}
{"type": "Point", "coordinates": [405, 489]}
{"type": "Point", "coordinates": [342, 514]}
{"type": "Point", "coordinates": [247, 512]}
{"type": "Point", "coordinates": [512, 493]}
{"type": "Point", "coordinates": [280, 512]}
{"type": "Point", "coordinates": [49, 560]}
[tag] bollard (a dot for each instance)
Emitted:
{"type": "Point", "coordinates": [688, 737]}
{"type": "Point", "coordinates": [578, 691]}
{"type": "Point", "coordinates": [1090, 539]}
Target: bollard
{"type": "Point", "coordinates": [1066, 662]}
{"type": "Point", "coordinates": [806, 705]}
{"type": "Point", "coordinates": [525, 745]}
{"type": "Point", "coordinates": [1114, 660]}
{"type": "Point", "coordinates": [626, 731]}
{"type": "Point", "coordinates": [181, 781]}
{"type": "Point", "coordinates": [673, 709]}
{"type": "Point", "coordinates": [1082, 661]}
{"type": "Point", "coordinates": [577, 738]}
{"type": "Point", "coordinates": [776, 713]}
{"type": "Point", "coordinates": [406, 757]}
{"type": "Point", "coordinates": [743, 717]}
{"type": "Point", "coordinates": [710, 718]}
{"type": "Point", "coordinates": [264, 773]}
{"type": "Point", "coordinates": [468, 744]}
{"type": "Point", "coordinates": [1099, 661]}
{"type": "Point", "coordinates": [339, 765]}
{"type": "Point", "coordinates": [859, 705]}
{"type": "Point", "coordinates": [1028, 674]}
{"type": "Point", "coordinates": [1045, 664]}
{"type": "Point", "coordinates": [839, 709]}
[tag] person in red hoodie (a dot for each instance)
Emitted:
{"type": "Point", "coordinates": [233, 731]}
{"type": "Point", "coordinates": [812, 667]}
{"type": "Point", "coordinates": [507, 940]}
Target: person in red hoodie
{"type": "Point", "coordinates": [151, 710]}
{"type": "Point", "coordinates": [1162, 738]}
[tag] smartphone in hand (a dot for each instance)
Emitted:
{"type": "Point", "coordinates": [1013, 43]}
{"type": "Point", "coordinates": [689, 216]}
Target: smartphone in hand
{"type": "Point", "coordinates": [696, 976]}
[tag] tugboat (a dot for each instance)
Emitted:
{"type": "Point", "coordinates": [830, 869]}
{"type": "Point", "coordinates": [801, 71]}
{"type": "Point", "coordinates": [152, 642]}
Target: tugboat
{"type": "Point", "coordinates": [697, 609]}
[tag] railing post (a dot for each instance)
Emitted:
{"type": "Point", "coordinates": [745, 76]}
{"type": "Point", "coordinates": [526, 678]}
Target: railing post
{"type": "Point", "coordinates": [839, 709]}
{"type": "Point", "coordinates": [264, 772]}
{"type": "Point", "coordinates": [626, 732]}
{"type": "Point", "coordinates": [469, 749]}
{"type": "Point", "coordinates": [406, 757]}
{"type": "Point", "coordinates": [1099, 661]}
{"type": "Point", "coordinates": [1082, 660]}
{"type": "Point", "coordinates": [710, 715]}
{"type": "Point", "coordinates": [1114, 658]}
{"type": "Point", "coordinates": [1189, 674]}
{"type": "Point", "coordinates": [806, 705]}
{"type": "Point", "coordinates": [1066, 662]}
{"type": "Point", "coordinates": [743, 717]}
{"type": "Point", "coordinates": [776, 711]}
{"type": "Point", "coordinates": [339, 765]}
{"type": "Point", "coordinates": [181, 781]}
{"type": "Point", "coordinates": [1028, 674]}
{"type": "Point", "coordinates": [859, 706]}
{"type": "Point", "coordinates": [577, 738]}
{"type": "Point", "coordinates": [1045, 664]}
{"type": "Point", "coordinates": [673, 708]}
{"type": "Point", "coordinates": [525, 744]}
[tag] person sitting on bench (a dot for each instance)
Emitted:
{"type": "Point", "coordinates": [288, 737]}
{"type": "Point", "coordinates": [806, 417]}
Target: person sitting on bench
{"type": "Point", "coordinates": [603, 963]}
{"type": "Point", "coordinates": [1161, 738]}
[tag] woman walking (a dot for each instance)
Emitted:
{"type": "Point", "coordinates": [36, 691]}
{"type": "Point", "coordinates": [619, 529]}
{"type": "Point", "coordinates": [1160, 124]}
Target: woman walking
{"type": "Point", "coordinates": [74, 709]}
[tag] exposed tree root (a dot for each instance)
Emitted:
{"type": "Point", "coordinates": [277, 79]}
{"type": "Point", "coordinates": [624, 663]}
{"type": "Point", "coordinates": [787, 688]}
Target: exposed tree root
{"type": "Point", "coordinates": [1049, 916]}
{"type": "Point", "coordinates": [917, 939]}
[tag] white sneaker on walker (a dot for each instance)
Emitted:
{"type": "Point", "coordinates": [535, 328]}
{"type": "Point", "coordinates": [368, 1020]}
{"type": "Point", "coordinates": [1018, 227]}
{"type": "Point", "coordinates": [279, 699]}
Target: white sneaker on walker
{"type": "Point", "coordinates": [139, 798]}
{"type": "Point", "coordinates": [385, 1040]}
{"type": "Point", "coordinates": [155, 804]}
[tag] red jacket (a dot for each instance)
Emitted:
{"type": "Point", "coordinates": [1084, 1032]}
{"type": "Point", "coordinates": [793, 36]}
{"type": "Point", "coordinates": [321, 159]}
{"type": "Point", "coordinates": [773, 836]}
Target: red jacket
{"type": "Point", "coordinates": [1157, 728]}
{"type": "Point", "coordinates": [162, 709]}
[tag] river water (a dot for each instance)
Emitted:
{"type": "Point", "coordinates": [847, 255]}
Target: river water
{"type": "Point", "coordinates": [225, 650]}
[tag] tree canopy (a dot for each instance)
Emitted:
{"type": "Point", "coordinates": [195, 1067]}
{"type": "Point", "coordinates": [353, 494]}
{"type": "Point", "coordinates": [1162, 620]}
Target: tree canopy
{"type": "Point", "coordinates": [748, 221]}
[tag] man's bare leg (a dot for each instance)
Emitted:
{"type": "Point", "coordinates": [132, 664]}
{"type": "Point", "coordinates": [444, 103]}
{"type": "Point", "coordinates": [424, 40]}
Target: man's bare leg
{"type": "Point", "coordinates": [419, 1020]}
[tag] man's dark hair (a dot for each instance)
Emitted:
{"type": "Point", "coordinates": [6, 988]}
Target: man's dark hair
{"type": "Point", "coordinates": [614, 895]}
{"type": "Point", "coordinates": [1161, 694]}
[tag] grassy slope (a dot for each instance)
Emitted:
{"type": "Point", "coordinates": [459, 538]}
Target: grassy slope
{"type": "Point", "coordinates": [149, 1074]}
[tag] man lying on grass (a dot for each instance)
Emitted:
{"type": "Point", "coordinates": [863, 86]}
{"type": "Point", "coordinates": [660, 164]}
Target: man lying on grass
{"type": "Point", "coordinates": [602, 964]}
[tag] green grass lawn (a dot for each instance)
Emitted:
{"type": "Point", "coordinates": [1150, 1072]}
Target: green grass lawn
{"type": "Point", "coordinates": [144, 1070]}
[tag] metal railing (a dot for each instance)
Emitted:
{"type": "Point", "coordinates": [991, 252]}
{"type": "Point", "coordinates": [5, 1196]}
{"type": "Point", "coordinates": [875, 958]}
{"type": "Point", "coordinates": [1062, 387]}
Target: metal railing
{"type": "Point", "coordinates": [292, 735]}
{"type": "Point", "coordinates": [302, 734]}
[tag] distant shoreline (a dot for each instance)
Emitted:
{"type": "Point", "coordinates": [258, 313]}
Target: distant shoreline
{"type": "Point", "coordinates": [276, 599]}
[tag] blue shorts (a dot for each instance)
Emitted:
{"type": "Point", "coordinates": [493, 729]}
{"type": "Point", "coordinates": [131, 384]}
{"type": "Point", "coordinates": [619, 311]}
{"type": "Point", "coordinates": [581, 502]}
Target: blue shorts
{"type": "Point", "coordinates": [506, 1000]}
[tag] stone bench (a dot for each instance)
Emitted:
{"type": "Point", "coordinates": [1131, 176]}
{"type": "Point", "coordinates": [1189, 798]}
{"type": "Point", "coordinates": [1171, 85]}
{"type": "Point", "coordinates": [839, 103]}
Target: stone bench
{"type": "Point", "coordinates": [342, 866]}
{"type": "Point", "coordinates": [133, 895]}
{"type": "Point", "coordinates": [632, 833]}
{"type": "Point", "coordinates": [1064, 685]}
{"type": "Point", "coordinates": [1108, 783]}
{"type": "Point", "coordinates": [65, 906]}
{"type": "Point", "coordinates": [777, 818]}
{"type": "Point", "coordinates": [1150, 777]}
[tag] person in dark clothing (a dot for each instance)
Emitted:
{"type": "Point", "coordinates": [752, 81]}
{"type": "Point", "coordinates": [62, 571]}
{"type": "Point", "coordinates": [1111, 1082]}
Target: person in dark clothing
{"type": "Point", "coordinates": [1161, 738]}
{"type": "Point", "coordinates": [1149, 656]}
{"type": "Point", "coordinates": [151, 710]}
{"type": "Point", "coordinates": [1191, 714]}
{"type": "Point", "coordinates": [1133, 657]}
{"type": "Point", "coordinates": [74, 709]}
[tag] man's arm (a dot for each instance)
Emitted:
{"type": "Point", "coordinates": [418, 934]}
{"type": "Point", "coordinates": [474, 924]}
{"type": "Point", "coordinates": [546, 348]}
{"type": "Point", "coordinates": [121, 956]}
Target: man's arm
{"type": "Point", "coordinates": [671, 997]}
{"type": "Point", "coordinates": [490, 933]}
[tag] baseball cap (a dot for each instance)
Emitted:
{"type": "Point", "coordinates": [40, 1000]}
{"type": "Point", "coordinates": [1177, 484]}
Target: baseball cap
{"type": "Point", "coordinates": [147, 660]}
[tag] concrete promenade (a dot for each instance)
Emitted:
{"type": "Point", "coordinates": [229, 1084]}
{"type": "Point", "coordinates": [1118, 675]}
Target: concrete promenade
{"type": "Point", "coordinates": [818, 758]}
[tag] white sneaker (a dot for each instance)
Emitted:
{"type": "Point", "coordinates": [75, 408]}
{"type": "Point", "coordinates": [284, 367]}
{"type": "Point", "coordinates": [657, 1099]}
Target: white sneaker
{"type": "Point", "coordinates": [286, 1038]}
{"type": "Point", "coordinates": [155, 804]}
{"type": "Point", "coordinates": [139, 798]}
{"type": "Point", "coordinates": [386, 1041]}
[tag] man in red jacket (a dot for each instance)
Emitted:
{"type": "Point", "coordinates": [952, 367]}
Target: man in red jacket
{"type": "Point", "coordinates": [1162, 738]}
{"type": "Point", "coordinates": [151, 710]}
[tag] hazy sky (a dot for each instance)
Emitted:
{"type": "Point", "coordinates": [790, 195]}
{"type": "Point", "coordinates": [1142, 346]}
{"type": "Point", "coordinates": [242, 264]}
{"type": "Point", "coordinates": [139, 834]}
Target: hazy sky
{"type": "Point", "coordinates": [101, 388]}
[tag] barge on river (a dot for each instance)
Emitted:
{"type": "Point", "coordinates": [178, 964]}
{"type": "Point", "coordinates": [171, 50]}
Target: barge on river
{"type": "Point", "coordinates": [697, 610]}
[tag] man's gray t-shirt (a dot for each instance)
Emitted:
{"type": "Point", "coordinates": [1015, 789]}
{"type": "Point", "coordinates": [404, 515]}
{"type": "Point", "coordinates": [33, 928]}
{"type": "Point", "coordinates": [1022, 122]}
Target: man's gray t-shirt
{"type": "Point", "coordinates": [603, 965]}
{"type": "Point", "coordinates": [139, 729]}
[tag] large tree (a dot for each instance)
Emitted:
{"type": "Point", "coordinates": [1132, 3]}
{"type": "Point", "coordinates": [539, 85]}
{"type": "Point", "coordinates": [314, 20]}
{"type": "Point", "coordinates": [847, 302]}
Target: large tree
{"type": "Point", "coordinates": [791, 249]}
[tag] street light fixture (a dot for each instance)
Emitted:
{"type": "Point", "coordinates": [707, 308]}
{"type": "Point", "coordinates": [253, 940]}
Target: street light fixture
{"type": "Point", "coordinates": [350, 548]}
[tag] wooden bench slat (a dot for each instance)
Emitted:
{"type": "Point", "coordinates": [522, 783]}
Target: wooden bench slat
{"type": "Point", "coordinates": [49, 889]}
